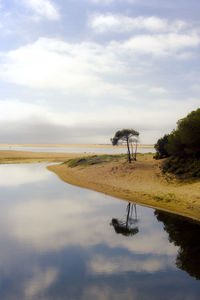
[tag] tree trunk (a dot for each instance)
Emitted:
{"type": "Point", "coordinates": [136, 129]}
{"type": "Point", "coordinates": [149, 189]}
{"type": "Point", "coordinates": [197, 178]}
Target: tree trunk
{"type": "Point", "coordinates": [135, 150]}
{"type": "Point", "coordinates": [129, 154]}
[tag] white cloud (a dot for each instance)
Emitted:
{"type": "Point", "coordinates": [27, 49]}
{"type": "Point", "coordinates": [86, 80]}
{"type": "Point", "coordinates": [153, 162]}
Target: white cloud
{"type": "Point", "coordinates": [88, 68]}
{"type": "Point", "coordinates": [105, 23]}
{"type": "Point", "coordinates": [104, 2]}
{"type": "Point", "coordinates": [54, 64]}
{"type": "Point", "coordinates": [43, 9]}
{"type": "Point", "coordinates": [157, 90]}
{"type": "Point", "coordinates": [161, 44]}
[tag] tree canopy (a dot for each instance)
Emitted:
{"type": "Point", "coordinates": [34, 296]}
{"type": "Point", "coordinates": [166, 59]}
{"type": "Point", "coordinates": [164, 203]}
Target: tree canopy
{"type": "Point", "coordinates": [184, 141]}
{"type": "Point", "coordinates": [182, 144]}
{"type": "Point", "coordinates": [125, 136]}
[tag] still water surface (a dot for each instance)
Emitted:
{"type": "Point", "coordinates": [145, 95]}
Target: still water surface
{"type": "Point", "coordinates": [100, 150]}
{"type": "Point", "coordinates": [59, 241]}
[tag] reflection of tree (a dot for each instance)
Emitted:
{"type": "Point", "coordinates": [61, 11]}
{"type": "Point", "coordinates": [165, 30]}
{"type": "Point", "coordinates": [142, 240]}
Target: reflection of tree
{"type": "Point", "coordinates": [126, 226]}
{"type": "Point", "coordinates": [185, 234]}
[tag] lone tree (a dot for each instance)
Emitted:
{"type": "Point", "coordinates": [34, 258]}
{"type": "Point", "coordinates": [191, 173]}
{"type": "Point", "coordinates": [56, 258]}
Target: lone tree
{"type": "Point", "coordinates": [124, 136]}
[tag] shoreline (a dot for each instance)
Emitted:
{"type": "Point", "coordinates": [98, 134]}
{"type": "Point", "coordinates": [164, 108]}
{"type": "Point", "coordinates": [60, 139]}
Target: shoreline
{"type": "Point", "coordinates": [73, 145]}
{"type": "Point", "coordinates": [140, 182]}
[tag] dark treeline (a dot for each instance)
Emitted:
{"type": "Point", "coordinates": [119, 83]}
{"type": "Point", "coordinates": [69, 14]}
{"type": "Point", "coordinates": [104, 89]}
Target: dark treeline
{"type": "Point", "coordinates": [182, 147]}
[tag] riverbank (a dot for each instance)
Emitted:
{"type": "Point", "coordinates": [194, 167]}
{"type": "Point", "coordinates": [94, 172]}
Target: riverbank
{"type": "Point", "coordinates": [141, 182]}
{"type": "Point", "coordinates": [12, 156]}
{"type": "Point", "coordinates": [72, 146]}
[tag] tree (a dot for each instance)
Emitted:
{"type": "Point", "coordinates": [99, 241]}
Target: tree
{"type": "Point", "coordinates": [124, 136]}
{"type": "Point", "coordinates": [160, 146]}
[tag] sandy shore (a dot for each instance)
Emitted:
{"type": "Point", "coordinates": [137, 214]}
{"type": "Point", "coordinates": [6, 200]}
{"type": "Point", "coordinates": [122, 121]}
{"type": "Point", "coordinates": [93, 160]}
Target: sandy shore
{"type": "Point", "coordinates": [71, 146]}
{"type": "Point", "coordinates": [9, 156]}
{"type": "Point", "coordinates": [141, 182]}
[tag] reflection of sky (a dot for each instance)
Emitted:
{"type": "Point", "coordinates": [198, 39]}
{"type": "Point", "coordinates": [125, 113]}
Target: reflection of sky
{"type": "Point", "coordinates": [56, 243]}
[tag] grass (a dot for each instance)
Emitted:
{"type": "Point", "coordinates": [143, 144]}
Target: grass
{"type": "Point", "coordinates": [182, 167]}
{"type": "Point", "coordinates": [93, 160]}
{"type": "Point", "coordinates": [167, 198]}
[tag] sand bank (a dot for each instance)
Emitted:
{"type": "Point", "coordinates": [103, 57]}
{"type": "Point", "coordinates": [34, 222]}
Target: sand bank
{"type": "Point", "coordinates": [141, 182]}
{"type": "Point", "coordinates": [71, 146]}
{"type": "Point", "coordinates": [9, 156]}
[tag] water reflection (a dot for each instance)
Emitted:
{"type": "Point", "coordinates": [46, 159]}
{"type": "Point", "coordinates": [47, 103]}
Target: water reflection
{"type": "Point", "coordinates": [185, 234]}
{"type": "Point", "coordinates": [126, 225]}
{"type": "Point", "coordinates": [56, 243]}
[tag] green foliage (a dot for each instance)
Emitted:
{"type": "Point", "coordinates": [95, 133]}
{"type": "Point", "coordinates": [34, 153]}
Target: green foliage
{"type": "Point", "coordinates": [185, 140]}
{"type": "Point", "coordinates": [185, 168]}
{"type": "Point", "coordinates": [92, 160]}
{"type": "Point", "coordinates": [160, 146]}
{"type": "Point", "coordinates": [182, 146]}
{"type": "Point", "coordinates": [123, 135]}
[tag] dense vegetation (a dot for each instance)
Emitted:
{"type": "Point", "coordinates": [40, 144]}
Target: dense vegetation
{"type": "Point", "coordinates": [182, 147]}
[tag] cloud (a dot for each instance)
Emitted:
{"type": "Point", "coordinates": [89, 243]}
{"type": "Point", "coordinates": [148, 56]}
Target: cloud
{"type": "Point", "coordinates": [104, 2]}
{"type": "Point", "coordinates": [161, 44]}
{"type": "Point", "coordinates": [28, 123]}
{"type": "Point", "coordinates": [43, 9]}
{"type": "Point", "coordinates": [51, 63]}
{"type": "Point", "coordinates": [88, 68]}
{"type": "Point", "coordinates": [157, 90]}
{"type": "Point", "coordinates": [105, 23]}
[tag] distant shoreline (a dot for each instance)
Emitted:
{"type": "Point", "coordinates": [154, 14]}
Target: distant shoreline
{"type": "Point", "coordinates": [72, 145]}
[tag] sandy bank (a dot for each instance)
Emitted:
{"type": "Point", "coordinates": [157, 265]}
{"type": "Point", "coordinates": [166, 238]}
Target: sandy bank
{"type": "Point", "coordinates": [9, 156]}
{"type": "Point", "coordinates": [140, 182]}
{"type": "Point", "coordinates": [71, 146]}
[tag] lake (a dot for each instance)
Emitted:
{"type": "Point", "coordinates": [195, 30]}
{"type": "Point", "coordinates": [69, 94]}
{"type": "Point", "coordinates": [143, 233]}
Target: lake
{"type": "Point", "coordinates": [58, 241]}
{"type": "Point", "coordinates": [96, 150]}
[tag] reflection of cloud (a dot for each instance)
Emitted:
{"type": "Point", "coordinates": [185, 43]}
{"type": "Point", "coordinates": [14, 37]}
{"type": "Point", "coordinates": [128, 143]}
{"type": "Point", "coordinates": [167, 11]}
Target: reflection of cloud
{"type": "Point", "coordinates": [40, 282]}
{"type": "Point", "coordinates": [102, 264]}
{"type": "Point", "coordinates": [106, 292]}
{"type": "Point", "coordinates": [49, 225]}
{"type": "Point", "coordinates": [75, 217]}
{"type": "Point", "coordinates": [13, 175]}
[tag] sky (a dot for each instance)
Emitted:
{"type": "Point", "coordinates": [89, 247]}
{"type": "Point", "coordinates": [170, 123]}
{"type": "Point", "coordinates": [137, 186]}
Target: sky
{"type": "Point", "coordinates": [76, 71]}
